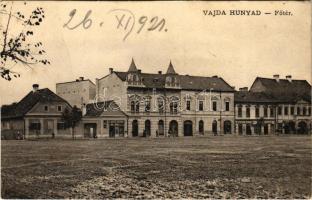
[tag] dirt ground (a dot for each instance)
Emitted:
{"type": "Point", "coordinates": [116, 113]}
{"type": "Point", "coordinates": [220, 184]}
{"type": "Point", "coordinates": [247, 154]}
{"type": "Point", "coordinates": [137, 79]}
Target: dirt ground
{"type": "Point", "coordinates": [194, 167]}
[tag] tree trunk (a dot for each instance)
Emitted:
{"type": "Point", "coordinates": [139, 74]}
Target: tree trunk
{"type": "Point", "coordinates": [73, 132]}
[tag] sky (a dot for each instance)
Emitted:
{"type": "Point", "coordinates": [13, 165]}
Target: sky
{"type": "Point", "coordinates": [237, 48]}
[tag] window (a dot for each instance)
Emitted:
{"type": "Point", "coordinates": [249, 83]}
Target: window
{"type": "Point", "coordinates": [304, 111]}
{"type": "Point", "coordinates": [239, 112]}
{"type": "Point", "coordinates": [309, 111]}
{"type": "Point", "coordinates": [240, 129]}
{"type": "Point", "coordinates": [247, 112]}
{"type": "Point", "coordinates": [214, 106]}
{"type": "Point", "coordinates": [104, 123]}
{"type": "Point", "coordinates": [6, 125]}
{"type": "Point", "coordinates": [279, 111]}
{"type": "Point", "coordinates": [61, 126]}
{"type": "Point", "coordinates": [132, 106]}
{"type": "Point", "coordinates": [271, 112]}
{"type": "Point", "coordinates": [298, 111]}
{"type": "Point", "coordinates": [46, 108]}
{"type": "Point", "coordinates": [34, 126]}
{"type": "Point", "coordinates": [265, 111]}
{"type": "Point", "coordinates": [137, 107]}
{"type": "Point", "coordinates": [201, 106]}
{"type": "Point", "coordinates": [160, 105]}
{"type": "Point", "coordinates": [286, 110]}
{"type": "Point", "coordinates": [292, 110]}
{"type": "Point", "coordinates": [174, 107]}
{"type": "Point", "coordinates": [257, 111]}
{"type": "Point", "coordinates": [59, 108]}
{"type": "Point", "coordinates": [188, 105]}
{"type": "Point", "coordinates": [227, 106]}
{"type": "Point", "coordinates": [147, 105]}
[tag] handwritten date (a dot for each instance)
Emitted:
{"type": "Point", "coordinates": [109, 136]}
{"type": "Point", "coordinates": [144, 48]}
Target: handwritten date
{"type": "Point", "coordinates": [125, 21]}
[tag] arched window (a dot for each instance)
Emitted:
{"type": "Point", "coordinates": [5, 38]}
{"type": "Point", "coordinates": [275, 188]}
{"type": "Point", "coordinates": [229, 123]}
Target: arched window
{"type": "Point", "coordinates": [160, 131]}
{"type": "Point", "coordinates": [201, 127]}
{"type": "Point", "coordinates": [147, 130]}
{"type": "Point", "coordinates": [215, 127]}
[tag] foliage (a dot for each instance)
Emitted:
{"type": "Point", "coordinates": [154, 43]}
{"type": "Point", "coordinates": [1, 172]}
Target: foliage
{"type": "Point", "coordinates": [19, 48]}
{"type": "Point", "coordinates": [71, 118]}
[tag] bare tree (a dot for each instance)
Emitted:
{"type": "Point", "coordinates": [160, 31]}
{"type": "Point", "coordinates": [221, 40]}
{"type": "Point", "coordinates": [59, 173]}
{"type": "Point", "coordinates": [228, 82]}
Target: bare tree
{"type": "Point", "coordinates": [18, 47]}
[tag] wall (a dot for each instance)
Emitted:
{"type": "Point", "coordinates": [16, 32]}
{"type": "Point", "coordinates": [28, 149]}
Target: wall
{"type": "Point", "coordinates": [76, 92]}
{"type": "Point", "coordinates": [115, 89]}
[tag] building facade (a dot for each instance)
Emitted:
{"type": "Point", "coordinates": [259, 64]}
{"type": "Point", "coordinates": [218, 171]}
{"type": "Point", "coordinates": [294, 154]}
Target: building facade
{"type": "Point", "coordinates": [274, 106]}
{"type": "Point", "coordinates": [37, 115]}
{"type": "Point", "coordinates": [103, 119]}
{"type": "Point", "coordinates": [170, 104]}
{"type": "Point", "coordinates": [77, 93]}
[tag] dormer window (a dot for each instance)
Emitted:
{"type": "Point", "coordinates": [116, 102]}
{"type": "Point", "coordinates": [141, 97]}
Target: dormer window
{"type": "Point", "coordinates": [59, 108]}
{"type": "Point", "coordinates": [46, 108]}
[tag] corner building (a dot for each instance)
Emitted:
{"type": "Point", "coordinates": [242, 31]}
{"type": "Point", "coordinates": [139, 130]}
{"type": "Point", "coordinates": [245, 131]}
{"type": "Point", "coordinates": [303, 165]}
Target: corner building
{"type": "Point", "coordinates": [169, 104]}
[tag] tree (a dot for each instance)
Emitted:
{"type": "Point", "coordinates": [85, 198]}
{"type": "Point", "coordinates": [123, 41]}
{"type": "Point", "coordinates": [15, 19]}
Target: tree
{"type": "Point", "coordinates": [258, 125]}
{"type": "Point", "coordinates": [17, 44]}
{"type": "Point", "coordinates": [71, 118]}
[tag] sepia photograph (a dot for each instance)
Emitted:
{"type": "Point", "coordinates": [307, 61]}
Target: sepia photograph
{"type": "Point", "coordinates": [155, 99]}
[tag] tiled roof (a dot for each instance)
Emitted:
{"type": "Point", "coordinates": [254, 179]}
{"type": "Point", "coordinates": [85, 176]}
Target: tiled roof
{"type": "Point", "coordinates": [286, 91]}
{"type": "Point", "coordinates": [187, 82]}
{"type": "Point", "coordinates": [28, 102]}
{"type": "Point", "coordinates": [107, 108]}
{"type": "Point", "coordinates": [253, 97]}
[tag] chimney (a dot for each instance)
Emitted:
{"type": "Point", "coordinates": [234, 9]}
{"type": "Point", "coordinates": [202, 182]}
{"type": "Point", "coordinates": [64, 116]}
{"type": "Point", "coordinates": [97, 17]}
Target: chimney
{"type": "Point", "coordinates": [111, 70]}
{"type": "Point", "coordinates": [81, 78]}
{"type": "Point", "coordinates": [276, 77]}
{"type": "Point", "coordinates": [159, 72]}
{"type": "Point", "coordinates": [35, 87]}
{"type": "Point", "coordinates": [288, 77]}
{"type": "Point", "coordinates": [84, 109]}
{"type": "Point", "coordinates": [139, 71]}
{"type": "Point", "coordinates": [243, 89]}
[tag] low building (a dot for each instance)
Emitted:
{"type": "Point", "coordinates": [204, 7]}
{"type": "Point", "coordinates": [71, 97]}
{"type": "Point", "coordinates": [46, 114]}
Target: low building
{"type": "Point", "coordinates": [36, 115]}
{"type": "Point", "coordinates": [274, 105]}
{"type": "Point", "coordinates": [78, 92]}
{"type": "Point", "coordinates": [103, 119]}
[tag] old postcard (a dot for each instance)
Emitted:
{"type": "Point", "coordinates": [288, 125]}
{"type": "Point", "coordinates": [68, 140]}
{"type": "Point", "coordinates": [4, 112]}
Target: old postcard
{"type": "Point", "coordinates": [155, 100]}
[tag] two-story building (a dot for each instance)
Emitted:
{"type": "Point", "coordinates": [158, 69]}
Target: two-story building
{"type": "Point", "coordinates": [169, 104]}
{"type": "Point", "coordinates": [274, 106]}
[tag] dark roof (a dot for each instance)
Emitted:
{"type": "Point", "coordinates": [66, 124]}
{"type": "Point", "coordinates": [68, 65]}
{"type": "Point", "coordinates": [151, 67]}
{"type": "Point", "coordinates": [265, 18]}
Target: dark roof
{"type": "Point", "coordinates": [253, 97]}
{"type": "Point", "coordinates": [106, 108]}
{"type": "Point", "coordinates": [132, 67]}
{"type": "Point", "coordinates": [170, 69]}
{"type": "Point", "coordinates": [28, 102]}
{"type": "Point", "coordinates": [187, 82]}
{"type": "Point", "coordinates": [284, 90]}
